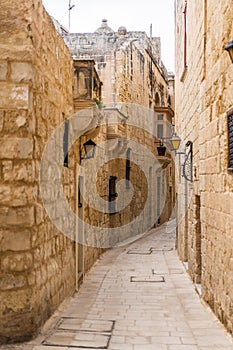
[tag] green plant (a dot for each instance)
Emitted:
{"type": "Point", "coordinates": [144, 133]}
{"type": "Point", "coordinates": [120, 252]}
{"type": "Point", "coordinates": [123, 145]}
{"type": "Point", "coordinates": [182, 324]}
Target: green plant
{"type": "Point", "coordinates": [99, 103]}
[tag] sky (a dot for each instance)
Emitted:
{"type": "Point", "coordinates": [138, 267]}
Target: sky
{"type": "Point", "coordinates": [86, 16]}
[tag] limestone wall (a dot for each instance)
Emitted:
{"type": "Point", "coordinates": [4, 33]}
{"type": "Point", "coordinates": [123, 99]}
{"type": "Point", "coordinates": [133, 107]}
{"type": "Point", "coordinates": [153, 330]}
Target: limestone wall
{"type": "Point", "coordinates": [203, 97]}
{"type": "Point", "coordinates": [36, 260]}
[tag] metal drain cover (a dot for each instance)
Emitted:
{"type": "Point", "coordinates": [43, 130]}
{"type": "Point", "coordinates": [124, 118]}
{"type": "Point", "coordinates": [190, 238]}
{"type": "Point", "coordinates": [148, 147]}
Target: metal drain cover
{"type": "Point", "coordinates": [85, 325]}
{"type": "Point", "coordinates": [150, 279]}
{"type": "Point", "coordinates": [78, 339]}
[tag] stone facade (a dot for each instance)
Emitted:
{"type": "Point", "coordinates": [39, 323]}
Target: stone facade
{"type": "Point", "coordinates": [203, 99]}
{"type": "Point", "coordinates": [37, 262]}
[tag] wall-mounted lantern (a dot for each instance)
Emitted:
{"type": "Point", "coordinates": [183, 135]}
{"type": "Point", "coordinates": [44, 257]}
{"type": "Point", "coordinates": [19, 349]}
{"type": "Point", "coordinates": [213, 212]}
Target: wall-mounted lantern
{"type": "Point", "coordinates": [89, 148]}
{"type": "Point", "coordinates": [161, 149]}
{"type": "Point", "coordinates": [175, 141]}
{"type": "Point", "coordinates": [187, 166]}
{"type": "Point", "coordinates": [229, 48]}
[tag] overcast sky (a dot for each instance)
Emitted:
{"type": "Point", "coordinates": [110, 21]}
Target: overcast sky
{"type": "Point", "coordinates": [87, 15]}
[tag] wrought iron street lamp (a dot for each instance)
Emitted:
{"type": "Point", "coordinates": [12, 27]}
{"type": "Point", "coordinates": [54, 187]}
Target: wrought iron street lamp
{"type": "Point", "coordinates": [89, 148]}
{"type": "Point", "coordinates": [229, 48]}
{"type": "Point", "coordinates": [187, 166]}
{"type": "Point", "coordinates": [161, 149]}
{"type": "Point", "coordinates": [175, 141]}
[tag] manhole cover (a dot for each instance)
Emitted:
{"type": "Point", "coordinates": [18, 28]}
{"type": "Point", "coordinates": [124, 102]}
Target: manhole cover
{"type": "Point", "coordinates": [78, 339]}
{"type": "Point", "coordinates": [150, 279]}
{"type": "Point", "coordinates": [85, 325]}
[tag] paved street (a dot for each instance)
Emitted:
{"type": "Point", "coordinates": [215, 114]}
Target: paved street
{"type": "Point", "coordinates": [137, 297]}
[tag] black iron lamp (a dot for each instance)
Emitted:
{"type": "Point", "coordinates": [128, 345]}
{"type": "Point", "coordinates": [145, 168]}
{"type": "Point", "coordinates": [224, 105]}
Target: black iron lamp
{"type": "Point", "coordinates": [161, 149]}
{"type": "Point", "coordinates": [229, 48]}
{"type": "Point", "coordinates": [89, 148]}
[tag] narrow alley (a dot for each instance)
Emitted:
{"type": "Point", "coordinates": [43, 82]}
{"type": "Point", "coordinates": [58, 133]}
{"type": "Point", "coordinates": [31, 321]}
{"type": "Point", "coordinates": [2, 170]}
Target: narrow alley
{"type": "Point", "coordinates": [136, 297]}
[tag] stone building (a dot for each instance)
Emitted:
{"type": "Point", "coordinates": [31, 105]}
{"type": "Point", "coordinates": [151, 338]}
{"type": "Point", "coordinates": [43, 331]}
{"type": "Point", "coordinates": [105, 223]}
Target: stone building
{"type": "Point", "coordinates": [204, 101]}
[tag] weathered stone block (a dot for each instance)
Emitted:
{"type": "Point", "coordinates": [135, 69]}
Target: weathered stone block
{"type": "Point", "coordinates": [3, 71]}
{"type": "Point", "coordinates": [16, 216]}
{"type": "Point", "coordinates": [9, 281]}
{"type": "Point", "coordinates": [11, 148]}
{"type": "Point", "coordinates": [15, 240]}
{"type": "Point", "coordinates": [21, 72]}
{"type": "Point", "coordinates": [15, 302]}
{"type": "Point", "coordinates": [17, 262]}
{"type": "Point", "coordinates": [16, 196]}
{"type": "Point", "coordinates": [14, 95]}
{"type": "Point", "coordinates": [16, 121]}
{"type": "Point", "coordinates": [22, 171]}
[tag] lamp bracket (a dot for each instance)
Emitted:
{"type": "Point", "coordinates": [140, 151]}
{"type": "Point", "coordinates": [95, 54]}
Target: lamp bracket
{"type": "Point", "coordinates": [187, 167]}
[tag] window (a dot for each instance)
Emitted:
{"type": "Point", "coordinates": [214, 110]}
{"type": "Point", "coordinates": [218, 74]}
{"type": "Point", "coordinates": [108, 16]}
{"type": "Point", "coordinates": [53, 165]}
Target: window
{"type": "Point", "coordinates": [160, 131]}
{"type": "Point", "coordinates": [80, 181]}
{"type": "Point", "coordinates": [83, 41]}
{"type": "Point", "coordinates": [160, 128]}
{"type": "Point", "coordinates": [65, 143]}
{"type": "Point", "coordinates": [127, 169]}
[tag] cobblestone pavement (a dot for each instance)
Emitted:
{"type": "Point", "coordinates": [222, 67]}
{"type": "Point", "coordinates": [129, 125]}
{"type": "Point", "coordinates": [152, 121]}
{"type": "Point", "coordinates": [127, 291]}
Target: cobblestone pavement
{"type": "Point", "coordinates": [137, 297]}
